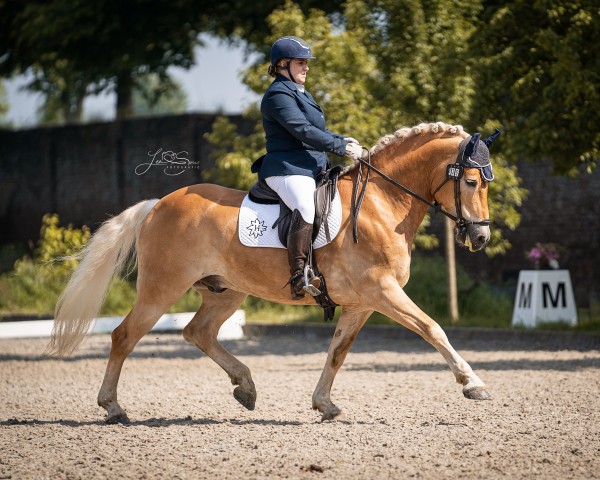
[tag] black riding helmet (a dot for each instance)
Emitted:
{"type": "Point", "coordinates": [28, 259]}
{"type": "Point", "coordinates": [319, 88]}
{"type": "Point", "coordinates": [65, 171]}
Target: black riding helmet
{"type": "Point", "coordinates": [289, 47]}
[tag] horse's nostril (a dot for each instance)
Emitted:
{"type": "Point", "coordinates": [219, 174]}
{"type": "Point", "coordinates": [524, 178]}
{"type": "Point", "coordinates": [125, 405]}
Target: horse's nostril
{"type": "Point", "coordinates": [481, 239]}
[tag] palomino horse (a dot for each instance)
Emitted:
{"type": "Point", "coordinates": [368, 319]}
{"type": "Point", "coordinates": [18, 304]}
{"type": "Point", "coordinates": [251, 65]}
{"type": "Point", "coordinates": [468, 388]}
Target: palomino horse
{"type": "Point", "coordinates": [189, 239]}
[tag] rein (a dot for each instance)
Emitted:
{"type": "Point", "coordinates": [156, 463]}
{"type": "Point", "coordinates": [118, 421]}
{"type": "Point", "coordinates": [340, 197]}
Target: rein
{"type": "Point", "coordinates": [454, 171]}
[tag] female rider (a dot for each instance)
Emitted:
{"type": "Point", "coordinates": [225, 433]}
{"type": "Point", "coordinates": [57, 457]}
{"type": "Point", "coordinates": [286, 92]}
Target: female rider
{"type": "Point", "coordinates": [297, 140]}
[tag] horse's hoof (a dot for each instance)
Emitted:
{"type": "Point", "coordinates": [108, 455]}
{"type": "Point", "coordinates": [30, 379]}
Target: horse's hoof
{"type": "Point", "coordinates": [121, 418]}
{"type": "Point", "coordinates": [334, 414]}
{"type": "Point", "coordinates": [248, 400]}
{"type": "Point", "coordinates": [477, 393]}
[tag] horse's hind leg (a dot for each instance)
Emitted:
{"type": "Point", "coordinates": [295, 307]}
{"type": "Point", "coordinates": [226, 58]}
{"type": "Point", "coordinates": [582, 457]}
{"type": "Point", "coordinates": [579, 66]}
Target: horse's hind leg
{"type": "Point", "coordinates": [202, 331]}
{"type": "Point", "coordinates": [136, 324]}
{"type": "Point", "coordinates": [348, 326]}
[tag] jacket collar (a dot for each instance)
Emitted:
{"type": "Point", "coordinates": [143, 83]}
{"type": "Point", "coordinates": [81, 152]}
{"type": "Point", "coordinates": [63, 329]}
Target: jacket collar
{"type": "Point", "coordinates": [294, 88]}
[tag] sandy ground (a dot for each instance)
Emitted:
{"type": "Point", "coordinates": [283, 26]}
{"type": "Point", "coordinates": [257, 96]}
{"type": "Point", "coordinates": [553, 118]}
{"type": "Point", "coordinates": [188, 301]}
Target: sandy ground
{"type": "Point", "coordinates": [405, 416]}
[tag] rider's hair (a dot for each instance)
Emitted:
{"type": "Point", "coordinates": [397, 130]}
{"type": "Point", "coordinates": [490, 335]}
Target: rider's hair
{"type": "Point", "coordinates": [273, 70]}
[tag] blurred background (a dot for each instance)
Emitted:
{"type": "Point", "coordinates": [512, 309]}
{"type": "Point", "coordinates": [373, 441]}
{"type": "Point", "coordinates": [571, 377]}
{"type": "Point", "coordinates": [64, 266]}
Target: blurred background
{"type": "Point", "coordinates": [212, 84]}
{"type": "Point", "coordinates": [90, 90]}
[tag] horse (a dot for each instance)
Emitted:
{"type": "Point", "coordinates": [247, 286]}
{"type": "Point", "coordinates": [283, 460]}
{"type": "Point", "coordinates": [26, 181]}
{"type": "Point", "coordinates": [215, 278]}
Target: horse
{"type": "Point", "coordinates": [189, 239]}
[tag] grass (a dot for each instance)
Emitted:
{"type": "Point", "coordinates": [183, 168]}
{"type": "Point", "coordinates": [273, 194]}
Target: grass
{"type": "Point", "coordinates": [269, 313]}
{"type": "Point", "coordinates": [480, 305]}
{"type": "Point", "coordinates": [33, 287]}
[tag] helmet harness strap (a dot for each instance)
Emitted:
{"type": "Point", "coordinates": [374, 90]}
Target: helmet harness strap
{"type": "Point", "coordinates": [289, 70]}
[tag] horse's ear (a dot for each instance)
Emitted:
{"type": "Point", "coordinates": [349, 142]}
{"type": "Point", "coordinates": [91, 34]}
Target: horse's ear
{"type": "Point", "coordinates": [471, 148]}
{"type": "Point", "coordinates": [489, 140]}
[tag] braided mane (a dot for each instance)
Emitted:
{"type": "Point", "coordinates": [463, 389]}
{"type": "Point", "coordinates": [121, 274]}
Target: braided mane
{"type": "Point", "coordinates": [406, 133]}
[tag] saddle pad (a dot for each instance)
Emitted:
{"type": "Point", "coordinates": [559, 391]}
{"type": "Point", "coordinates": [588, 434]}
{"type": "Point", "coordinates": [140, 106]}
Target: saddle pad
{"type": "Point", "coordinates": [255, 224]}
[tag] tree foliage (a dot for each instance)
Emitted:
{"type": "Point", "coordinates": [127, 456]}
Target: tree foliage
{"type": "Point", "coordinates": [393, 64]}
{"type": "Point", "coordinates": [538, 73]}
{"type": "Point", "coordinates": [75, 47]}
{"type": "Point", "coordinates": [100, 44]}
{"type": "Point", "coordinates": [531, 67]}
{"type": "Point", "coordinates": [3, 101]}
{"type": "Point", "coordinates": [420, 52]}
{"type": "Point", "coordinates": [37, 280]}
{"type": "Point", "coordinates": [155, 95]}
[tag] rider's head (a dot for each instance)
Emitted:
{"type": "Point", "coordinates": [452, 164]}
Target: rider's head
{"type": "Point", "coordinates": [286, 50]}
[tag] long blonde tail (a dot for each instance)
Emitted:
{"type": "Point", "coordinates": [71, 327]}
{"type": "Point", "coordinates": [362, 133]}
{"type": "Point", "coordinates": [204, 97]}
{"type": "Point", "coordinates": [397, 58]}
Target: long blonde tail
{"type": "Point", "coordinates": [102, 257]}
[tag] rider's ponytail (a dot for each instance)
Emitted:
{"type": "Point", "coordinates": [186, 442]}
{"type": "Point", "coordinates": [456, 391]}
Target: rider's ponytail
{"type": "Point", "coordinates": [273, 69]}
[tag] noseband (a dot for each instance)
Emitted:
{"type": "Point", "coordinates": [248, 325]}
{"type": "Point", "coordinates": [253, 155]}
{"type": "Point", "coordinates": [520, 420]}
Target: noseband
{"type": "Point", "coordinates": [454, 171]}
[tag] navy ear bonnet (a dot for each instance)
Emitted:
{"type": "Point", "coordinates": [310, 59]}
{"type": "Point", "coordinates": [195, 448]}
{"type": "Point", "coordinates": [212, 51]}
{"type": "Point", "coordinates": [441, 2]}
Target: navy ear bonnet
{"type": "Point", "coordinates": [477, 155]}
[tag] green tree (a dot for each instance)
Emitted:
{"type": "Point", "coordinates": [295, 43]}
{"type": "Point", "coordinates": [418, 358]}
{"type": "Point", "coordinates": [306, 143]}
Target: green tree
{"type": "Point", "coordinates": [64, 92]}
{"type": "Point", "coordinates": [105, 44]}
{"type": "Point", "coordinates": [155, 95]}
{"type": "Point", "coordinates": [538, 74]}
{"type": "Point", "coordinates": [420, 52]}
{"type": "Point", "coordinates": [426, 72]}
{"type": "Point", "coordinates": [3, 102]}
{"type": "Point", "coordinates": [76, 47]}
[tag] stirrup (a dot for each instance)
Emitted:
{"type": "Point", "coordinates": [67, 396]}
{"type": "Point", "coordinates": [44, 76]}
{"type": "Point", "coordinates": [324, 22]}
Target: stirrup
{"type": "Point", "coordinates": [311, 282]}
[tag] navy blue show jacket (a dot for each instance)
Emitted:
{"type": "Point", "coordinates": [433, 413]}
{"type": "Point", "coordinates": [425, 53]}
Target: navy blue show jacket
{"type": "Point", "coordinates": [295, 131]}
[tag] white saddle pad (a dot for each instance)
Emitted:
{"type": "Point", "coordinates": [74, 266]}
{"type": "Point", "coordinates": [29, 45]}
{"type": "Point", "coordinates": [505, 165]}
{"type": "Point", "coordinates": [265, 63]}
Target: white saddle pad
{"type": "Point", "coordinates": [256, 224]}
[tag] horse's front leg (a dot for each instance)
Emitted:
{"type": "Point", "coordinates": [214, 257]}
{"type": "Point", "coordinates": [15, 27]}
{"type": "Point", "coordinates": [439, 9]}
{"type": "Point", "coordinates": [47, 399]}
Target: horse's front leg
{"type": "Point", "coordinates": [395, 304]}
{"type": "Point", "coordinates": [348, 326]}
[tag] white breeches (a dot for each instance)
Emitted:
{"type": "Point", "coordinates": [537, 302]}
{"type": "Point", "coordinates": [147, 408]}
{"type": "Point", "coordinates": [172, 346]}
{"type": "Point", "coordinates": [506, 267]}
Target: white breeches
{"type": "Point", "coordinates": [297, 192]}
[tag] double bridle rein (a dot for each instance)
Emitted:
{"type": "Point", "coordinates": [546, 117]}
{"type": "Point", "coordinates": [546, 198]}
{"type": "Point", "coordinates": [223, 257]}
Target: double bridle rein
{"type": "Point", "coordinates": [454, 171]}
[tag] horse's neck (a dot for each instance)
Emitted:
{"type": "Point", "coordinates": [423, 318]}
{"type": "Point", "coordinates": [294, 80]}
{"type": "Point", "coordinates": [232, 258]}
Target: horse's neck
{"type": "Point", "coordinates": [387, 207]}
{"type": "Point", "coordinates": [411, 171]}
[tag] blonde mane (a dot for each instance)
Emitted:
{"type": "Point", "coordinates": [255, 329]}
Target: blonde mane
{"type": "Point", "coordinates": [422, 129]}
{"type": "Point", "coordinates": [407, 133]}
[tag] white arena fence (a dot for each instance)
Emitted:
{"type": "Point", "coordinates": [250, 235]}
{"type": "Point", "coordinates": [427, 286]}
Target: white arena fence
{"type": "Point", "coordinates": [230, 330]}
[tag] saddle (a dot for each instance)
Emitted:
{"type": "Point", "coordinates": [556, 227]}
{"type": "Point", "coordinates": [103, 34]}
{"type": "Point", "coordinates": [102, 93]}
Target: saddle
{"type": "Point", "coordinates": [324, 195]}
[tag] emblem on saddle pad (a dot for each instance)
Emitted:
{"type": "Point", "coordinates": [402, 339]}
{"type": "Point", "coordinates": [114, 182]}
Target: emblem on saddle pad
{"type": "Point", "coordinates": [256, 228]}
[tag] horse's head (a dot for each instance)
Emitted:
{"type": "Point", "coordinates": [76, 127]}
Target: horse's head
{"type": "Point", "coordinates": [466, 189]}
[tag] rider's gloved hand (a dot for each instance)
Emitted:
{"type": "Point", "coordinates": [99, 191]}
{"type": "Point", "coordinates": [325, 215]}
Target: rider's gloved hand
{"type": "Point", "coordinates": [350, 140]}
{"type": "Point", "coordinates": [354, 151]}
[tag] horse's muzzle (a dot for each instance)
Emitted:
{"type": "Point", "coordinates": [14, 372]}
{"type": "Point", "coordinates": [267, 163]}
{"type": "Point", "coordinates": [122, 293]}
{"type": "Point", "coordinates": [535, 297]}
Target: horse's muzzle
{"type": "Point", "coordinates": [473, 237]}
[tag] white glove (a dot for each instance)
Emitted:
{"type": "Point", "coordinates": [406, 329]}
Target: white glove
{"type": "Point", "coordinates": [354, 151]}
{"type": "Point", "coordinates": [350, 140]}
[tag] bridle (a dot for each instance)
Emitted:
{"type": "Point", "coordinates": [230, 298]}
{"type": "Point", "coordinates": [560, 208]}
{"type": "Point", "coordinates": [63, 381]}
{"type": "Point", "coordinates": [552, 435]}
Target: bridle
{"type": "Point", "coordinates": [454, 171]}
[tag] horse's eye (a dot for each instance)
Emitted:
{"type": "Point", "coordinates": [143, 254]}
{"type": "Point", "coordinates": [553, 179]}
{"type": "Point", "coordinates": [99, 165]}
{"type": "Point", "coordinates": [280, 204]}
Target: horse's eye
{"type": "Point", "coordinates": [471, 183]}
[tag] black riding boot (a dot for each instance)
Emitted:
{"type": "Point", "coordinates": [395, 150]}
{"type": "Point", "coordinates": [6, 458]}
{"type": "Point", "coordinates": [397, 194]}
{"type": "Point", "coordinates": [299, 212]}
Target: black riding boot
{"type": "Point", "coordinates": [298, 243]}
